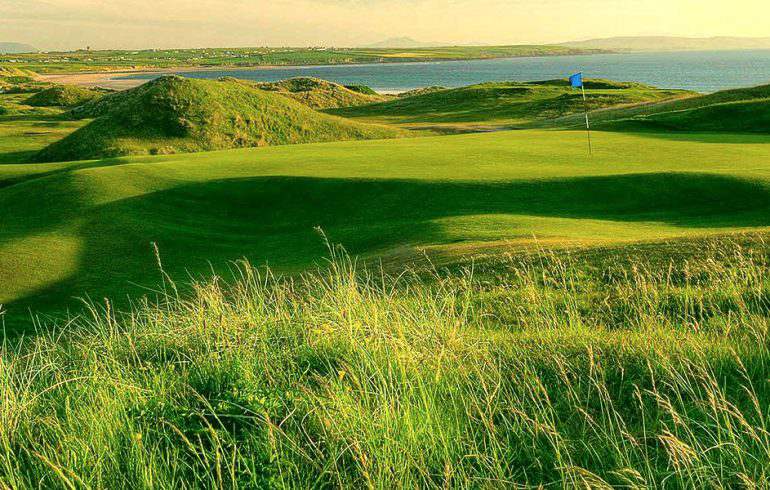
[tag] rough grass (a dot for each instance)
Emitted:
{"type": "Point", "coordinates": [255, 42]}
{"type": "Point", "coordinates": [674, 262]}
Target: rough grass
{"type": "Point", "coordinates": [321, 94]}
{"type": "Point", "coordinates": [63, 96]}
{"type": "Point", "coordinates": [502, 104]}
{"type": "Point", "coordinates": [177, 115]}
{"type": "Point", "coordinates": [15, 81]}
{"type": "Point", "coordinates": [546, 371]}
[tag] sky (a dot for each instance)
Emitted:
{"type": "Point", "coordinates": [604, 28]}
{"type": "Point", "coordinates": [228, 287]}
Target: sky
{"type": "Point", "coordinates": [135, 24]}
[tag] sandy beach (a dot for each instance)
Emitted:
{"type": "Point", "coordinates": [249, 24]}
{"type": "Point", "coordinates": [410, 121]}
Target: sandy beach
{"type": "Point", "coordinates": [110, 80]}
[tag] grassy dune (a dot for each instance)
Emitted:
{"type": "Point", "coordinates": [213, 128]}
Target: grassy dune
{"type": "Point", "coordinates": [89, 226]}
{"type": "Point", "coordinates": [745, 110]}
{"type": "Point", "coordinates": [63, 96]}
{"type": "Point", "coordinates": [320, 94]}
{"type": "Point", "coordinates": [503, 104]}
{"type": "Point", "coordinates": [178, 115]}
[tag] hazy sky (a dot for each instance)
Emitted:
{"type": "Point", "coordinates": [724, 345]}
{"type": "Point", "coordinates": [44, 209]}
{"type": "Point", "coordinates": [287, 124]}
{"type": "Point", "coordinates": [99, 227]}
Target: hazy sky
{"type": "Point", "coordinates": [67, 24]}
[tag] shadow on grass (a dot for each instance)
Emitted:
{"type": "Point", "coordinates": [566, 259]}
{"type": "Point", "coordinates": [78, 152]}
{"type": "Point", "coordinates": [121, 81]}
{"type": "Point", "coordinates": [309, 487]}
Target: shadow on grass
{"type": "Point", "coordinates": [271, 220]}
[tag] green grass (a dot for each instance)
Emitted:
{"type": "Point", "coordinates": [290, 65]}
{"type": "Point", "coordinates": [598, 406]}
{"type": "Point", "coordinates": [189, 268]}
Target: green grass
{"type": "Point", "coordinates": [610, 331]}
{"type": "Point", "coordinates": [502, 104]}
{"type": "Point", "coordinates": [241, 57]}
{"type": "Point", "coordinates": [553, 371]}
{"type": "Point", "coordinates": [178, 115]}
{"type": "Point", "coordinates": [63, 96]}
{"type": "Point", "coordinates": [89, 227]}
{"type": "Point", "coordinates": [25, 130]}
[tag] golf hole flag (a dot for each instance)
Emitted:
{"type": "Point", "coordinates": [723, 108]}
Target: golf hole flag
{"type": "Point", "coordinates": [576, 81]}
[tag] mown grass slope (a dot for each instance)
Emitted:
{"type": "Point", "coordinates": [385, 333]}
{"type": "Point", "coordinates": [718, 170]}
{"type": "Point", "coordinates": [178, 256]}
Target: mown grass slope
{"type": "Point", "coordinates": [503, 104]}
{"type": "Point", "coordinates": [89, 228]}
{"type": "Point", "coordinates": [177, 115]}
{"type": "Point", "coordinates": [736, 110]}
{"type": "Point", "coordinates": [320, 94]}
{"type": "Point", "coordinates": [25, 130]}
{"type": "Point", "coordinates": [63, 96]}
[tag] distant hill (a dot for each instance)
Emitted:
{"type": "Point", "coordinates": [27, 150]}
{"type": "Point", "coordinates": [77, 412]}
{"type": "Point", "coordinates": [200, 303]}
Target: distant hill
{"type": "Point", "coordinates": [403, 42]}
{"type": "Point", "coordinates": [739, 111]}
{"type": "Point", "coordinates": [15, 48]}
{"type": "Point", "coordinates": [669, 43]}
{"type": "Point", "coordinates": [320, 94]}
{"type": "Point", "coordinates": [502, 104]}
{"type": "Point", "coordinates": [176, 115]}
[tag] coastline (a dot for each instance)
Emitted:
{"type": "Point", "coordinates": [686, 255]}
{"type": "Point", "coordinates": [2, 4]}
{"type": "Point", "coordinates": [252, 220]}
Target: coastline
{"type": "Point", "coordinates": [115, 79]}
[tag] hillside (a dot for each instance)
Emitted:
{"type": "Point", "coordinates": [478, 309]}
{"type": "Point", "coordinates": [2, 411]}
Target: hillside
{"type": "Point", "coordinates": [502, 104]}
{"type": "Point", "coordinates": [672, 43]}
{"type": "Point", "coordinates": [16, 48]}
{"type": "Point", "coordinates": [320, 94]}
{"type": "Point", "coordinates": [63, 96]}
{"type": "Point", "coordinates": [177, 115]}
{"type": "Point", "coordinates": [737, 110]}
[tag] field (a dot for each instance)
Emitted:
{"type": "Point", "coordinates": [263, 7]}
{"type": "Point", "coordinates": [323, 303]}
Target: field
{"type": "Point", "coordinates": [66, 62]}
{"type": "Point", "coordinates": [508, 311]}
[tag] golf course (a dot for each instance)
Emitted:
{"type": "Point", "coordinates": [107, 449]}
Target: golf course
{"type": "Point", "coordinates": [219, 283]}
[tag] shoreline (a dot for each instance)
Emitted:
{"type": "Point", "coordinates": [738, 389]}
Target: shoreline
{"type": "Point", "coordinates": [114, 79]}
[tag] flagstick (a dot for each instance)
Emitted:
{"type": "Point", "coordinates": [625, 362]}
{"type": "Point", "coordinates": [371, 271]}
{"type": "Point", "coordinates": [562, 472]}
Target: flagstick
{"type": "Point", "coordinates": [588, 126]}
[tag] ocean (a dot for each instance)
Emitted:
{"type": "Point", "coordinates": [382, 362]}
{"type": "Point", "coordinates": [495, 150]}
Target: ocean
{"type": "Point", "coordinates": [702, 71]}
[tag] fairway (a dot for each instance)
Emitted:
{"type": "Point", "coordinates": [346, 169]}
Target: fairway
{"type": "Point", "coordinates": [89, 227]}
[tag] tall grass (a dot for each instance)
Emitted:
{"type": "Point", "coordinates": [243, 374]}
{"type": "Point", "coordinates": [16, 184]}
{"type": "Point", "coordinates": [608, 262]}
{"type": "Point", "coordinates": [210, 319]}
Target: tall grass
{"type": "Point", "coordinates": [547, 370]}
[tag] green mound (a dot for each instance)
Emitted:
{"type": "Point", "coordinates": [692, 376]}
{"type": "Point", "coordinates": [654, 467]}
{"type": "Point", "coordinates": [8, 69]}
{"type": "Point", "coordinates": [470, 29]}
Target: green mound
{"type": "Point", "coordinates": [63, 96]}
{"type": "Point", "coordinates": [740, 110]}
{"type": "Point", "coordinates": [362, 89]}
{"type": "Point", "coordinates": [321, 94]}
{"type": "Point", "coordinates": [504, 104]}
{"type": "Point", "coordinates": [422, 91]}
{"type": "Point", "coordinates": [16, 75]}
{"type": "Point", "coordinates": [175, 115]}
{"type": "Point", "coordinates": [17, 81]}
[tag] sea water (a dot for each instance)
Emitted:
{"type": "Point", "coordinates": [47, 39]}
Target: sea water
{"type": "Point", "coordinates": [702, 71]}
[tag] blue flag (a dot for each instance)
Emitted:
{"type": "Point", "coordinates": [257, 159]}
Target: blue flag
{"type": "Point", "coordinates": [576, 80]}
